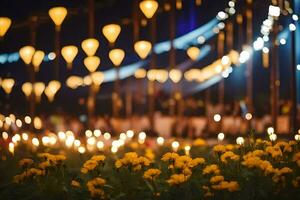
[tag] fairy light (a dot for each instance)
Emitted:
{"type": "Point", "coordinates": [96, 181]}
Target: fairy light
{"type": "Point", "coordinates": [69, 141]}
{"type": "Point", "coordinates": [16, 138]}
{"type": "Point", "coordinates": [77, 143]}
{"type": "Point", "coordinates": [4, 135]}
{"type": "Point", "coordinates": [97, 133]}
{"type": "Point", "coordinates": [142, 137]}
{"type": "Point", "coordinates": [35, 142]}
{"type": "Point", "coordinates": [52, 140]}
{"type": "Point", "coordinates": [27, 120]}
{"type": "Point", "coordinates": [8, 121]}
{"type": "Point", "coordinates": [81, 150]}
{"type": "Point", "coordinates": [248, 116]}
{"type": "Point", "coordinates": [240, 140]}
{"type": "Point", "coordinates": [123, 136]}
{"type": "Point", "coordinates": [175, 145]}
{"type": "Point", "coordinates": [221, 136]}
{"type": "Point", "coordinates": [187, 149]}
{"type": "Point", "coordinates": [88, 133]}
{"type": "Point", "coordinates": [107, 136]}
{"type": "Point", "coordinates": [61, 136]}
{"type": "Point", "coordinates": [297, 137]}
{"type": "Point", "coordinates": [11, 148]}
{"type": "Point", "coordinates": [217, 117]}
{"type": "Point", "coordinates": [91, 141]}
{"type": "Point", "coordinates": [270, 130]}
{"type": "Point", "coordinates": [69, 133]}
{"type": "Point", "coordinates": [160, 141]}
{"type": "Point", "coordinates": [45, 140]}
{"type": "Point", "coordinates": [292, 27]}
{"type": "Point", "coordinates": [129, 134]}
{"type": "Point", "coordinates": [295, 17]}
{"type": "Point", "coordinates": [114, 149]}
{"type": "Point", "coordinates": [273, 137]}
{"type": "Point", "coordinates": [282, 41]}
{"type": "Point", "coordinates": [100, 145]}
{"type": "Point", "coordinates": [25, 136]}
{"type": "Point", "coordinates": [19, 123]}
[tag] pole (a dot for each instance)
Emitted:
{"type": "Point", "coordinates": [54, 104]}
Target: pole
{"type": "Point", "coordinates": [57, 52]}
{"type": "Point", "coordinates": [172, 56]}
{"type": "Point", "coordinates": [274, 76]}
{"type": "Point", "coordinates": [250, 61]}
{"type": "Point", "coordinates": [221, 39]}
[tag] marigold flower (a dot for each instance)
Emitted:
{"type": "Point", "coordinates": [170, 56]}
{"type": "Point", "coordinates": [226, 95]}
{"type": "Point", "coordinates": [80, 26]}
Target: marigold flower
{"type": "Point", "coordinates": [26, 162]}
{"type": "Point", "coordinates": [199, 143]}
{"type": "Point", "coordinates": [151, 174]}
{"type": "Point", "coordinates": [169, 156]}
{"type": "Point", "coordinates": [219, 148]}
{"type": "Point", "coordinates": [230, 155]}
{"type": "Point", "coordinates": [177, 179]}
{"type": "Point", "coordinates": [75, 183]}
{"type": "Point", "coordinates": [216, 179]}
{"type": "Point", "coordinates": [211, 169]}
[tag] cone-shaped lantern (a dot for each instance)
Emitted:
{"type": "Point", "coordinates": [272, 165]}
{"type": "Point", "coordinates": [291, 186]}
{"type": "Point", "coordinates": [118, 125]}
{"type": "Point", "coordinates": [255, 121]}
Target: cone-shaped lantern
{"type": "Point", "coordinates": [27, 89]}
{"type": "Point", "coordinates": [175, 75]}
{"type": "Point", "coordinates": [97, 78]}
{"type": "Point", "coordinates": [140, 73]}
{"type": "Point", "coordinates": [51, 89]}
{"type": "Point", "coordinates": [90, 46]}
{"type": "Point", "coordinates": [37, 60]}
{"type": "Point", "coordinates": [116, 56]}
{"type": "Point", "coordinates": [5, 23]}
{"type": "Point", "coordinates": [148, 7]}
{"type": "Point", "coordinates": [38, 89]}
{"type": "Point", "coordinates": [91, 63]}
{"type": "Point", "coordinates": [142, 48]}
{"type": "Point", "coordinates": [74, 82]}
{"type": "Point", "coordinates": [7, 85]}
{"type": "Point", "coordinates": [58, 15]}
{"type": "Point", "coordinates": [26, 53]}
{"type": "Point", "coordinates": [49, 94]}
{"type": "Point", "coordinates": [111, 32]}
{"type": "Point", "coordinates": [193, 53]}
{"type": "Point", "coordinates": [161, 75]}
{"type": "Point", "coordinates": [69, 53]}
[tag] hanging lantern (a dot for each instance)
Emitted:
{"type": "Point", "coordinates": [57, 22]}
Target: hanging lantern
{"type": "Point", "coordinates": [90, 46]}
{"type": "Point", "coordinates": [5, 23]}
{"type": "Point", "coordinates": [142, 48]}
{"type": "Point", "coordinates": [140, 73]}
{"type": "Point", "coordinates": [58, 15]}
{"type": "Point", "coordinates": [27, 89]}
{"type": "Point", "coordinates": [111, 32]}
{"type": "Point", "coordinates": [116, 56]}
{"type": "Point", "coordinates": [38, 89]}
{"type": "Point", "coordinates": [87, 80]}
{"type": "Point", "coordinates": [37, 60]}
{"type": "Point", "coordinates": [97, 78]}
{"type": "Point", "coordinates": [69, 53]}
{"type": "Point", "coordinates": [74, 82]}
{"type": "Point", "coordinates": [7, 85]}
{"type": "Point", "coordinates": [175, 75]}
{"type": "Point", "coordinates": [151, 74]}
{"type": "Point", "coordinates": [148, 7]}
{"type": "Point", "coordinates": [91, 63]}
{"type": "Point", "coordinates": [51, 89]}
{"type": "Point", "coordinates": [49, 94]}
{"type": "Point", "coordinates": [26, 53]}
{"type": "Point", "coordinates": [161, 75]}
{"type": "Point", "coordinates": [193, 53]}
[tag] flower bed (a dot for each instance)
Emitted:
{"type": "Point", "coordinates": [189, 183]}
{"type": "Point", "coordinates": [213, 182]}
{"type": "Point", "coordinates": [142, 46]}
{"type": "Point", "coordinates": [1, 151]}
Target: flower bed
{"type": "Point", "coordinates": [257, 169]}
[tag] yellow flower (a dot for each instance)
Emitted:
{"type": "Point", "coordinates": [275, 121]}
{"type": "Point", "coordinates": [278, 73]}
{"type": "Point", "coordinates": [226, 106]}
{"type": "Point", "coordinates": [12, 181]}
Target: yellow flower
{"type": "Point", "coordinates": [274, 151]}
{"type": "Point", "coordinates": [211, 169]}
{"type": "Point", "coordinates": [177, 179]}
{"type": "Point", "coordinates": [95, 187]}
{"type": "Point", "coordinates": [196, 161]}
{"type": "Point", "coordinates": [133, 160]}
{"type": "Point", "coordinates": [296, 182]}
{"type": "Point", "coordinates": [216, 179]}
{"type": "Point", "coordinates": [231, 186]}
{"type": "Point", "coordinates": [284, 146]}
{"type": "Point", "coordinates": [169, 156]}
{"type": "Point", "coordinates": [296, 158]}
{"type": "Point", "coordinates": [199, 142]}
{"type": "Point", "coordinates": [98, 158]}
{"type": "Point", "coordinates": [230, 155]}
{"type": "Point", "coordinates": [219, 148]}
{"type": "Point", "coordinates": [26, 162]}
{"type": "Point", "coordinates": [75, 183]}
{"type": "Point", "coordinates": [149, 154]}
{"type": "Point", "coordinates": [151, 174]}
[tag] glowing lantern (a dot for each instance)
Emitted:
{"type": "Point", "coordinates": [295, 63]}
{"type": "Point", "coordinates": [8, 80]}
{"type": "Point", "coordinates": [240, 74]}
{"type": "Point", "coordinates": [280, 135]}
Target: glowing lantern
{"type": "Point", "coordinates": [193, 53]}
{"type": "Point", "coordinates": [74, 82]}
{"type": "Point", "coordinates": [5, 23]}
{"type": "Point", "coordinates": [90, 46]}
{"type": "Point", "coordinates": [111, 32]}
{"type": "Point", "coordinates": [161, 75]}
{"type": "Point", "coordinates": [151, 74]}
{"type": "Point", "coordinates": [58, 15]}
{"type": "Point", "coordinates": [97, 78]}
{"type": "Point", "coordinates": [175, 75]}
{"type": "Point", "coordinates": [26, 54]}
{"type": "Point", "coordinates": [51, 89]}
{"type": "Point", "coordinates": [27, 89]}
{"type": "Point", "coordinates": [140, 73]}
{"type": "Point", "coordinates": [142, 48]}
{"type": "Point", "coordinates": [38, 89]}
{"type": "Point", "coordinates": [148, 7]}
{"type": "Point", "coordinates": [37, 60]}
{"type": "Point", "coordinates": [116, 56]}
{"type": "Point", "coordinates": [8, 84]}
{"type": "Point", "coordinates": [69, 53]}
{"type": "Point", "coordinates": [91, 63]}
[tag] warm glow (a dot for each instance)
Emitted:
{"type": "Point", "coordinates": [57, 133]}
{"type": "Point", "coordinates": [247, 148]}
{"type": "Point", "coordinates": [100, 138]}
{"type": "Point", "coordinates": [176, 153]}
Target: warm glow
{"type": "Point", "coordinates": [90, 46]}
{"type": "Point", "coordinates": [26, 54]}
{"type": "Point", "coordinates": [175, 145]}
{"type": "Point", "coordinates": [97, 78]}
{"type": "Point", "coordinates": [142, 48]}
{"type": "Point", "coordinates": [148, 7]}
{"type": "Point", "coordinates": [116, 56]}
{"type": "Point", "coordinates": [35, 142]}
{"type": "Point", "coordinates": [58, 15]}
{"type": "Point", "coordinates": [140, 73]}
{"type": "Point", "coordinates": [175, 75]}
{"type": "Point", "coordinates": [160, 141]}
{"type": "Point", "coordinates": [37, 60]}
{"type": "Point", "coordinates": [27, 89]}
{"type": "Point", "coordinates": [240, 140]}
{"type": "Point", "coordinates": [193, 53]}
{"type": "Point", "coordinates": [37, 123]}
{"type": "Point", "coordinates": [91, 63]}
{"type": "Point", "coordinates": [7, 85]}
{"type": "Point", "coordinates": [74, 82]}
{"type": "Point", "coordinates": [221, 136]}
{"type": "Point", "coordinates": [38, 89]}
{"type": "Point", "coordinates": [5, 23]}
{"type": "Point", "coordinates": [69, 53]}
{"type": "Point", "coordinates": [111, 32]}
{"type": "Point", "coordinates": [51, 89]}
